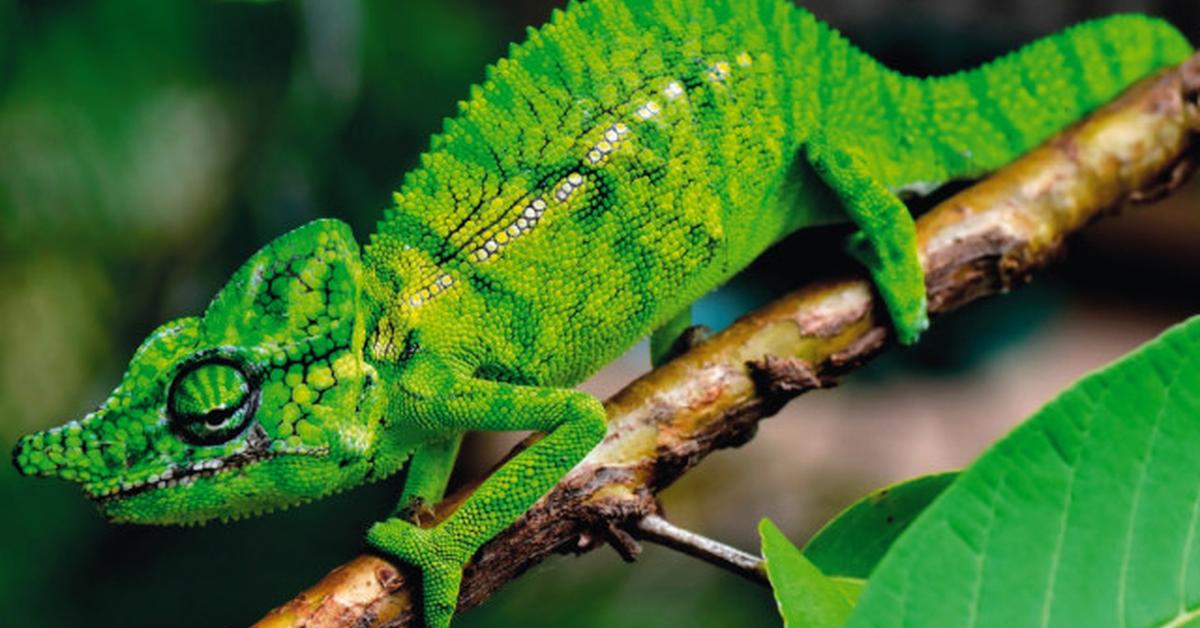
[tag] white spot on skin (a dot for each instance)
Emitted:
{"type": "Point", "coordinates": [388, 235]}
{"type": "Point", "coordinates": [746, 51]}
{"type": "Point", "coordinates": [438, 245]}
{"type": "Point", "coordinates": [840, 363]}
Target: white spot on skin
{"type": "Point", "coordinates": [525, 221]}
{"type": "Point", "coordinates": [718, 71]}
{"type": "Point", "coordinates": [648, 110]}
{"type": "Point", "coordinates": [612, 141]}
{"type": "Point", "coordinates": [575, 179]}
{"type": "Point", "coordinates": [673, 90]}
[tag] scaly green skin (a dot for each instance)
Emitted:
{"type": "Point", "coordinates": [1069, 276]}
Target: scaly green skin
{"type": "Point", "coordinates": [629, 157]}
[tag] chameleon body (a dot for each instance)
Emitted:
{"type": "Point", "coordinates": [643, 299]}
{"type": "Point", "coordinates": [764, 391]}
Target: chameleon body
{"type": "Point", "coordinates": [628, 157]}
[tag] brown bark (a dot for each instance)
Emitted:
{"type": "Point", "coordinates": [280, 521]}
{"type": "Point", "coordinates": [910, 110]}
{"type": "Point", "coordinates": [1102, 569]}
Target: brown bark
{"type": "Point", "coordinates": [985, 240]}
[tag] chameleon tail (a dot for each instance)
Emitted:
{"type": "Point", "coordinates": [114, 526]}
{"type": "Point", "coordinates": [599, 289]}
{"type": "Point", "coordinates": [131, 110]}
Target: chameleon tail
{"type": "Point", "coordinates": [981, 119]}
{"type": "Point", "coordinates": [886, 133]}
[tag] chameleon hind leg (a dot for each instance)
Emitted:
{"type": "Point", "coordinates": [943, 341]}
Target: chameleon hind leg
{"type": "Point", "coordinates": [574, 423]}
{"type": "Point", "coordinates": [665, 341]}
{"type": "Point", "coordinates": [426, 478]}
{"type": "Point", "coordinates": [676, 337]}
{"type": "Point", "coordinates": [887, 239]}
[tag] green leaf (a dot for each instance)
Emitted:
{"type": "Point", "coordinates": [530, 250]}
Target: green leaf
{"type": "Point", "coordinates": [1086, 515]}
{"type": "Point", "coordinates": [853, 542]}
{"type": "Point", "coordinates": [806, 597]}
{"type": "Point", "coordinates": [851, 588]}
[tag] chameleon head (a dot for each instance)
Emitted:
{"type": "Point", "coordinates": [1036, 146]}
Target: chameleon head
{"type": "Point", "coordinates": [263, 402]}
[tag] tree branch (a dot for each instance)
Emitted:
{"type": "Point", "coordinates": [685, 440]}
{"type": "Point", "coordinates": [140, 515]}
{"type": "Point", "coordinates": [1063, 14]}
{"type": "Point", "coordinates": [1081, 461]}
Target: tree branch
{"type": "Point", "coordinates": [984, 240]}
{"type": "Point", "coordinates": [658, 530]}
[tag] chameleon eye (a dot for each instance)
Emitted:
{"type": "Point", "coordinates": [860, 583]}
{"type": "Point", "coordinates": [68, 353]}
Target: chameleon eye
{"type": "Point", "coordinates": [210, 403]}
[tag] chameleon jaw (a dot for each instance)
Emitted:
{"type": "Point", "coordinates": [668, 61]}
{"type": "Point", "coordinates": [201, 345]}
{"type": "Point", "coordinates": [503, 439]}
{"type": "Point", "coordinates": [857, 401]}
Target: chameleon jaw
{"type": "Point", "coordinates": [258, 450]}
{"type": "Point", "coordinates": [180, 476]}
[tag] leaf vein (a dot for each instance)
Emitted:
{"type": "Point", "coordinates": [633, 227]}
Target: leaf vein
{"type": "Point", "coordinates": [1073, 467]}
{"type": "Point", "coordinates": [1144, 463]}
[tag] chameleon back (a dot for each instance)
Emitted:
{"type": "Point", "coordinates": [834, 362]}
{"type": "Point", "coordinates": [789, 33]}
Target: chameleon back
{"type": "Point", "coordinates": [632, 155]}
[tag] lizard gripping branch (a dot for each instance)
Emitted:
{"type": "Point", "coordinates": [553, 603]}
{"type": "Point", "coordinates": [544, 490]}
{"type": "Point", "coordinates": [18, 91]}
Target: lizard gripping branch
{"type": "Point", "coordinates": [988, 239]}
{"type": "Point", "coordinates": [626, 159]}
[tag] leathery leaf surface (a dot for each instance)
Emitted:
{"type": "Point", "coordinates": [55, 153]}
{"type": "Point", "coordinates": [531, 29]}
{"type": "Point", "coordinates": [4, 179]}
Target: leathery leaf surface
{"type": "Point", "coordinates": [1086, 515]}
{"type": "Point", "coordinates": [854, 542]}
{"type": "Point", "coordinates": [805, 596]}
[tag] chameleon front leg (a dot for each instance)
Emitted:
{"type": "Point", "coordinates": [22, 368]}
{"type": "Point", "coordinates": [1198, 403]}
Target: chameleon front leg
{"type": "Point", "coordinates": [574, 422]}
{"type": "Point", "coordinates": [887, 241]}
{"type": "Point", "coordinates": [427, 476]}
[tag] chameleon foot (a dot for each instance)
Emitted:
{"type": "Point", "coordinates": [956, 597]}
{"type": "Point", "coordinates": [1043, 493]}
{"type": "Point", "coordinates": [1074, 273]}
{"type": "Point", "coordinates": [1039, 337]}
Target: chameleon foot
{"type": "Point", "coordinates": [441, 569]}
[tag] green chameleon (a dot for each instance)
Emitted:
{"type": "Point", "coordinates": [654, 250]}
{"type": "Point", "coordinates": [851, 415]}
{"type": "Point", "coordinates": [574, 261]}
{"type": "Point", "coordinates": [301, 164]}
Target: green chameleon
{"type": "Point", "coordinates": [630, 156]}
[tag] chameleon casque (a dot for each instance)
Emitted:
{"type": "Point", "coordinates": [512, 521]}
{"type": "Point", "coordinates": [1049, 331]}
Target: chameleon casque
{"type": "Point", "coordinates": [630, 156]}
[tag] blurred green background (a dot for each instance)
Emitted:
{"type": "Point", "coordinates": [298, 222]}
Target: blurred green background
{"type": "Point", "coordinates": [147, 148]}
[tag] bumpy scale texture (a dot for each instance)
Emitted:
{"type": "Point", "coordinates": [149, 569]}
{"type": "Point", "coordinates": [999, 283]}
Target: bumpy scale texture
{"type": "Point", "coordinates": [628, 157]}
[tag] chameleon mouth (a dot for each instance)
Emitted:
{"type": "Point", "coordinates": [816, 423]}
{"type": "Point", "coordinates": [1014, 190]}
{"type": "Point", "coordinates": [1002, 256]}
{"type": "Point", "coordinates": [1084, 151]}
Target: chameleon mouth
{"type": "Point", "coordinates": [182, 475]}
{"type": "Point", "coordinates": [259, 450]}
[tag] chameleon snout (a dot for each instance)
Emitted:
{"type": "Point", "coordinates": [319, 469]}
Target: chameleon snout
{"type": "Point", "coordinates": [60, 452]}
{"type": "Point", "coordinates": [21, 457]}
